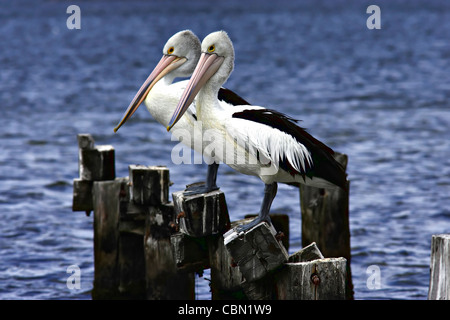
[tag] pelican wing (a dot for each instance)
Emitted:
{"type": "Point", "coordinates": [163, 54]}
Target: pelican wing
{"type": "Point", "coordinates": [279, 138]}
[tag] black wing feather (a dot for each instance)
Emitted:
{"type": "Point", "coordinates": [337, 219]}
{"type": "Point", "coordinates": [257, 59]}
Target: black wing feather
{"type": "Point", "coordinates": [324, 165]}
{"type": "Point", "coordinates": [231, 97]}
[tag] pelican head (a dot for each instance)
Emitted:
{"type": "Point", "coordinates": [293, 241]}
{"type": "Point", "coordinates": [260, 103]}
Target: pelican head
{"type": "Point", "coordinates": [213, 69]}
{"type": "Point", "coordinates": [180, 56]}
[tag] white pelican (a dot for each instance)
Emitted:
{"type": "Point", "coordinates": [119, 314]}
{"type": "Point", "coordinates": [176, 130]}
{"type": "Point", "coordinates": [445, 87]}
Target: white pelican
{"type": "Point", "coordinates": [275, 148]}
{"type": "Point", "coordinates": [180, 56]}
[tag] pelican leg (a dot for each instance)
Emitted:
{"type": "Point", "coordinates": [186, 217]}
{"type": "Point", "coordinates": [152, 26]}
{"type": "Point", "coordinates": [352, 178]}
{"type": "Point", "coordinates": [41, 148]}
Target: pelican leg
{"type": "Point", "coordinates": [270, 191]}
{"type": "Point", "coordinates": [209, 185]}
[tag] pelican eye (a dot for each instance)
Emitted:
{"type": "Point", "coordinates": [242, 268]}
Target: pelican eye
{"type": "Point", "coordinates": [211, 48]}
{"type": "Point", "coordinates": [170, 50]}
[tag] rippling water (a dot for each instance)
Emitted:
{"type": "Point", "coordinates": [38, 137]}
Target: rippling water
{"type": "Point", "coordinates": [380, 96]}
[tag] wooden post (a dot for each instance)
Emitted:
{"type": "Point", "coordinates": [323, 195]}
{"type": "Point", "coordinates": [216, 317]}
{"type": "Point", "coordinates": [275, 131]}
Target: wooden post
{"type": "Point", "coordinates": [149, 185]}
{"type": "Point", "coordinates": [191, 253]}
{"type": "Point", "coordinates": [256, 251]}
{"type": "Point", "coordinates": [106, 200]}
{"type": "Point", "coordinates": [82, 196]}
{"type": "Point", "coordinates": [149, 193]}
{"type": "Point", "coordinates": [201, 214]}
{"type": "Point", "coordinates": [281, 224]}
{"type": "Point", "coordinates": [308, 253]}
{"type": "Point", "coordinates": [227, 281]}
{"type": "Point", "coordinates": [226, 278]}
{"type": "Point", "coordinates": [291, 281]}
{"type": "Point", "coordinates": [94, 164]}
{"type": "Point", "coordinates": [131, 262]}
{"type": "Point", "coordinates": [163, 279]}
{"type": "Point", "coordinates": [133, 223]}
{"type": "Point", "coordinates": [275, 286]}
{"type": "Point", "coordinates": [322, 279]}
{"type": "Point", "coordinates": [325, 220]}
{"type": "Point", "coordinates": [440, 268]}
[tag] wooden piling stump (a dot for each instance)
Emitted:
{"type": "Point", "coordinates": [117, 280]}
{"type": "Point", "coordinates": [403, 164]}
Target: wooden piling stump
{"type": "Point", "coordinates": [226, 278]}
{"type": "Point", "coordinates": [325, 220]}
{"type": "Point", "coordinates": [321, 279]}
{"type": "Point", "coordinates": [281, 224]}
{"type": "Point", "coordinates": [94, 164]}
{"type": "Point", "coordinates": [131, 261]}
{"type": "Point", "coordinates": [202, 214]}
{"type": "Point", "coordinates": [257, 252]}
{"type": "Point", "coordinates": [106, 201]}
{"type": "Point", "coordinates": [190, 253]}
{"type": "Point", "coordinates": [266, 288]}
{"type": "Point", "coordinates": [85, 141]}
{"type": "Point", "coordinates": [261, 289]}
{"type": "Point", "coordinates": [131, 264]}
{"type": "Point", "coordinates": [227, 281]}
{"type": "Point", "coordinates": [163, 279]}
{"type": "Point", "coordinates": [97, 164]}
{"type": "Point", "coordinates": [440, 268]}
{"type": "Point", "coordinates": [308, 253]}
{"type": "Point", "coordinates": [149, 185]}
{"type": "Point", "coordinates": [82, 195]}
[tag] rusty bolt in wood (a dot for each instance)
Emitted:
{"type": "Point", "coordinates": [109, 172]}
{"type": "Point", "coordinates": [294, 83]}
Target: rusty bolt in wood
{"type": "Point", "coordinates": [315, 279]}
{"type": "Point", "coordinates": [279, 235]}
{"type": "Point", "coordinates": [181, 215]}
{"type": "Point", "coordinates": [174, 226]}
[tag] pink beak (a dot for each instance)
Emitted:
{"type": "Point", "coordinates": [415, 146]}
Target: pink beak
{"type": "Point", "coordinates": [207, 66]}
{"type": "Point", "coordinates": [164, 66]}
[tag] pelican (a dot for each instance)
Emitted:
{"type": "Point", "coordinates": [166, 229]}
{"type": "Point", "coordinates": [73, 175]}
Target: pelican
{"type": "Point", "coordinates": [276, 149]}
{"type": "Point", "coordinates": [180, 56]}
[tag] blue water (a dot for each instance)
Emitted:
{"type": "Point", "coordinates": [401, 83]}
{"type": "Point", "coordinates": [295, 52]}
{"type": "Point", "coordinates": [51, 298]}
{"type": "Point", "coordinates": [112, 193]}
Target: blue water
{"type": "Point", "coordinates": [380, 96]}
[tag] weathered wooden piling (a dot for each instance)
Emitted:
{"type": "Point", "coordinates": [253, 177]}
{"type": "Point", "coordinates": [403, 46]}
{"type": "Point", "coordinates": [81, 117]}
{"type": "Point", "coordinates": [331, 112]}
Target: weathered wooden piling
{"type": "Point", "coordinates": [200, 219]}
{"type": "Point", "coordinates": [95, 163]}
{"type": "Point", "coordinates": [163, 279]}
{"type": "Point", "coordinates": [106, 204]}
{"type": "Point", "coordinates": [131, 261]}
{"type": "Point", "coordinates": [148, 189]}
{"type": "Point", "coordinates": [82, 196]}
{"type": "Point", "coordinates": [201, 214]}
{"type": "Point", "coordinates": [146, 247]}
{"type": "Point", "coordinates": [307, 275]}
{"type": "Point", "coordinates": [133, 223]}
{"type": "Point", "coordinates": [318, 279]}
{"type": "Point", "coordinates": [325, 220]}
{"type": "Point", "coordinates": [440, 268]}
{"type": "Point", "coordinates": [227, 280]}
{"type": "Point", "coordinates": [257, 252]}
{"type": "Point", "coordinates": [281, 224]}
{"type": "Point", "coordinates": [149, 185]}
{"type": "Point", "coordinates": [190, 253]}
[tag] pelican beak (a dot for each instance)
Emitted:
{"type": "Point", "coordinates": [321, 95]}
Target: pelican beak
{"type": "Point", "coordinates": [164, 66]}
{"type": "Point", "coordinates": [207, 66]}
